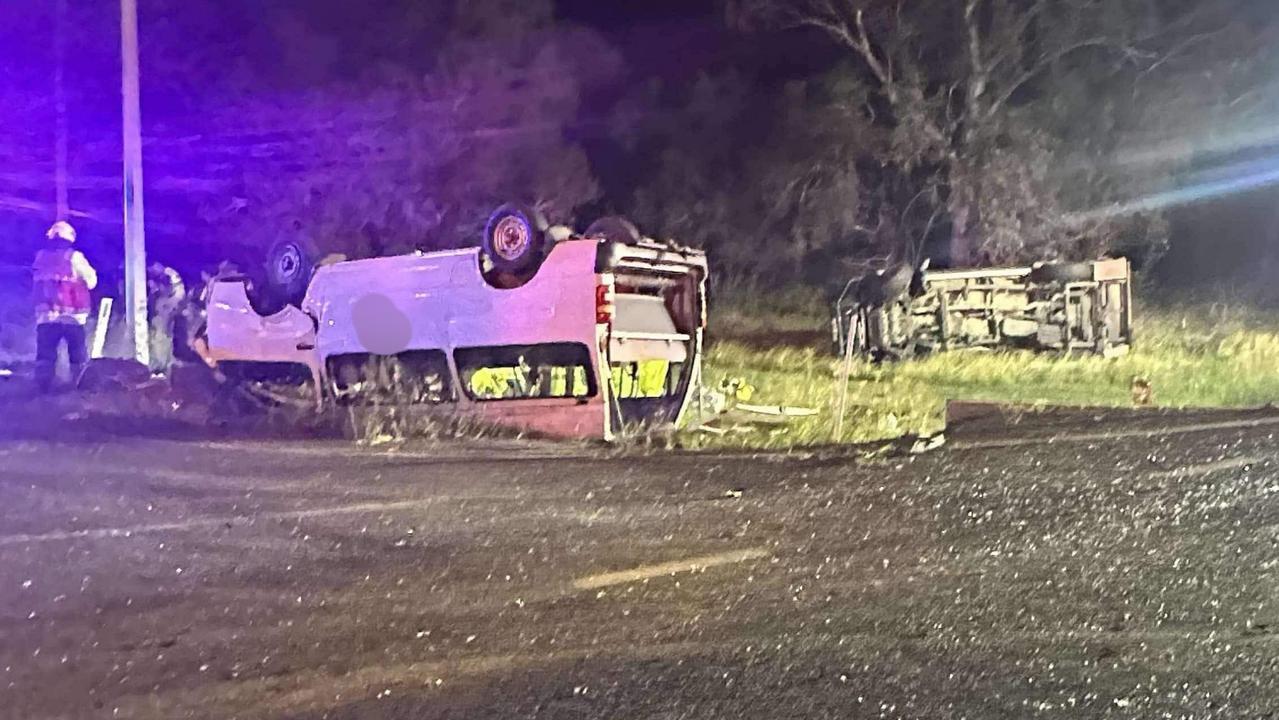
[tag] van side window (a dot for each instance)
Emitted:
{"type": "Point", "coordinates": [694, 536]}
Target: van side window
{"type": "Point", "coordinates": [646, 379]}
{"type": "Point", "coordinates": [524, 372]}
{"type": "Point", "coordinates": [416, 377]}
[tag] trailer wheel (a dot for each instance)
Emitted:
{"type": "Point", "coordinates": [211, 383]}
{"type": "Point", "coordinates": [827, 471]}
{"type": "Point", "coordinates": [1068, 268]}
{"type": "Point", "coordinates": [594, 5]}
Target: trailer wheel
{"type": "Point", "coordinates": [1061, 273]}
{"type": "Point", "coordinates": [614, 229]}
{"type": "Point", "coordinates": [879, 288]}
{"type": "Point", "coordinates": [515, 240]}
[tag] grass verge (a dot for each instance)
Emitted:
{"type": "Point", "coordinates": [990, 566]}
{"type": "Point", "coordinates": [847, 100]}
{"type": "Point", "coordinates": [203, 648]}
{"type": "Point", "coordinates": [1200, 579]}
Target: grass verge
{"type": "Point", "coordinates": [1194, 355]}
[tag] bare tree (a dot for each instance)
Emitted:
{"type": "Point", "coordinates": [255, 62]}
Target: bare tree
{"type": "Point", "coordinates": [767, 181]}
{"type": "Point", "coordinates": [955, 81]}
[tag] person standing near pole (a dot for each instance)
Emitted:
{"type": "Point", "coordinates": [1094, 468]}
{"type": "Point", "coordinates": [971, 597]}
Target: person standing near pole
{"type": "Point", "coordinates": [62, 280]}
{"type": "Point", "coordinates": [166, 294]}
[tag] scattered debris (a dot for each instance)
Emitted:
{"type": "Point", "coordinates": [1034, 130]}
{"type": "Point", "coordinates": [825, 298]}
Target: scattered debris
{"type": "Point", "coordinates": [727, 411]}
{"type": "Point", "coordinates": [193, 383]}
{"type": "Point", "coordinates": [291, 396]}
{"type": "Point", "coordinates": [749, 418]}
{"type": "Point", "coordinates": [778, 411]}
{"type": "Point", "coordinates": [1143, 392]}
{"type": "Point", "coordinates": [737, 389]}
{"type": "Point", "coordinates": [114, 375]}
{"type": "Point", "coordinates": [923, 445]}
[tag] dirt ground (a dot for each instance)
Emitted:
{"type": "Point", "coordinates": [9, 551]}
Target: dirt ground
{"type": "Point", "coordinates": [1032, 568]}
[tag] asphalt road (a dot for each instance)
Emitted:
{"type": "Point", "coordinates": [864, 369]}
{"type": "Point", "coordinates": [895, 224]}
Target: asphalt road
{"type": "Point", "coordinates": [1087, 577]}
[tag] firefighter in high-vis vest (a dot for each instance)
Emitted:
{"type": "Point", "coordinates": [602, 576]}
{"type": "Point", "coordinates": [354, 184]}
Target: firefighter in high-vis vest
{"type": "Point", "coordinates": [62, 280]}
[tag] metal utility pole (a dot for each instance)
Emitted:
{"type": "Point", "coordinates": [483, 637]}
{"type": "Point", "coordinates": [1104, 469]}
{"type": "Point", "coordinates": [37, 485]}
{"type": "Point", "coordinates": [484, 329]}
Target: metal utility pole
{"type": "Point", "coordinates": [135, 253]}
{"type": "Point", "coordinates": [60, 102]}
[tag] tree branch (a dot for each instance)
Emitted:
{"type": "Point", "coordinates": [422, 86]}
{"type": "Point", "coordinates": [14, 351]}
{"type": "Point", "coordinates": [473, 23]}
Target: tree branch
{"type": "Point", "coordinates": [1181, 47]}
{"type": "Point", "coordinates": [1015, 37]}
{"type": "Point", "coordinates": [857, 38]}
{"type": "Point", "coordinates": [980, 76]}
{"type": "Point", "coordinates": [1050, 59]}
{"type": "Point", "coordinates": [882, 72]}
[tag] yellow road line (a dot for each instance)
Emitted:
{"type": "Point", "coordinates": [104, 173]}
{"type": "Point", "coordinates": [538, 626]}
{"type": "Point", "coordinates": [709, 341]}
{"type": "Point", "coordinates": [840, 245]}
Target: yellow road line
{"type": "Point", "coordinates": [645, 572]}
{"type": "Point", "coordinates": [1209, 468]}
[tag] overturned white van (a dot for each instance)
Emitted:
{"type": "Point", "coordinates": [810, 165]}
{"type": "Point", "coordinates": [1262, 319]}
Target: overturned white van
{"type": "Point", "coordinates": [539, 329]}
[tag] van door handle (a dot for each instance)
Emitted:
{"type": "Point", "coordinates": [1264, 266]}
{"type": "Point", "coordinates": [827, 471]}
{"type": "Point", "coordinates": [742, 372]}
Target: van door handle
{"type": "Point", "coordinates": [306, 346]}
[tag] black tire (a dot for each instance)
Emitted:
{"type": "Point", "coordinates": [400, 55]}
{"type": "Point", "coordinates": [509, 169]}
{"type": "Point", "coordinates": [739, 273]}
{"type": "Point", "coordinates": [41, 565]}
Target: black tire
{"type": "Point", "coordinates": [289, 266]}
{"type": "Point", "coordinates": [282, 275]}
{"type": "Point", "coordinates": [1061, 273]}
{"type": "Point", "coordinates": [515, 240]}
{"type": "Point", "coordinates": [262, 297]}
{"type": "Point", "coordinates": [876, 289]}
{"type": "Point", "coordinates": [614, 229]}
{"type": "Point", "coordinates": [897, 282]}
{"type": "Point", "coordinates": [869, 291]}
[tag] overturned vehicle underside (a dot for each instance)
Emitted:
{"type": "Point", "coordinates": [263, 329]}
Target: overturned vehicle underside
{"type": "Point", "coordinates": [539, 329]}
{"type": "Point", "coordinates": [1066, 307]}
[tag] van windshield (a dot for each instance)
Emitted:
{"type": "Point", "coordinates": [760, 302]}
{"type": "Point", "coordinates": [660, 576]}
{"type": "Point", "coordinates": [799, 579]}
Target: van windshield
{"type": "Point", "coordinates": [526, 372]}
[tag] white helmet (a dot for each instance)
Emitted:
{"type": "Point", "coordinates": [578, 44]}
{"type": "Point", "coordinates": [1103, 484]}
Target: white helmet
{"type": "Point", "coordinates": [61, 229]}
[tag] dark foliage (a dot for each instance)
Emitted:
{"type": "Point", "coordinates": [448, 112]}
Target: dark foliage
{"type": "Point", "coordinates": [793, 139]}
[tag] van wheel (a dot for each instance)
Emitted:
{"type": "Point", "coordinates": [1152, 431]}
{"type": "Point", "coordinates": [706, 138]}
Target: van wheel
{"type": "Point", "coordinates": [284, 275]}
{"type": "Point", "coordinates": [290, 264]}
{"type": "Point", "coordinates": [614, 229]}
{"type": "Point", "coordinates": [515, 240]}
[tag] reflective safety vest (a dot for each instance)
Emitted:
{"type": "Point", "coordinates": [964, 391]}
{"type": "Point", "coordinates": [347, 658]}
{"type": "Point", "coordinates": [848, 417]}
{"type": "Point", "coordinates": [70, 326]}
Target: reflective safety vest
{"type": "Point", "coordinates": [61, 281]}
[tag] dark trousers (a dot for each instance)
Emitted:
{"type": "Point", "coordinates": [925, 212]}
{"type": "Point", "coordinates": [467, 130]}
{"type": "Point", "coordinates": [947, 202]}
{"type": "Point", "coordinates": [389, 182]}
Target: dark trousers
{"type": "Point", "coordinates": [48, 337]}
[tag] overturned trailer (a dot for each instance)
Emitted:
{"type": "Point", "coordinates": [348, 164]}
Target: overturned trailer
{"type": "Point", "coordinates": [1067, 307]}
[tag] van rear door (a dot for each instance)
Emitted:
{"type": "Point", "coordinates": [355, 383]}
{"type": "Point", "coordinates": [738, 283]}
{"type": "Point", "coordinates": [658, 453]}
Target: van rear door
{"type": "Point", "coordinates": [655, 338]}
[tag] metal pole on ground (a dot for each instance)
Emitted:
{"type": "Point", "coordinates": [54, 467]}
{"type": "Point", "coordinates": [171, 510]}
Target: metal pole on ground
{"type": "Point", "coordinates": [135, 258]}
{"type": "Point", "coordinates": [846, 369]}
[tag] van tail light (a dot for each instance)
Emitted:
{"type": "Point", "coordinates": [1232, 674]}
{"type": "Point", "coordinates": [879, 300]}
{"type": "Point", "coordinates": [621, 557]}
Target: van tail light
{"type": "Point", "coordinates": [604, 307]}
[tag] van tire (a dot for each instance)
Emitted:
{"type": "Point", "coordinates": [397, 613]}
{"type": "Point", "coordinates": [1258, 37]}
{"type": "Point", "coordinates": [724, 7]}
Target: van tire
{"type": "Point", "coordinates": [877, 289]}
{"type": "Point", "coordinates": [282, 276]}
{"type": "Point", "coordinates": [515, 241]}
{"type": "Point", "coordinates": [614, 229]}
